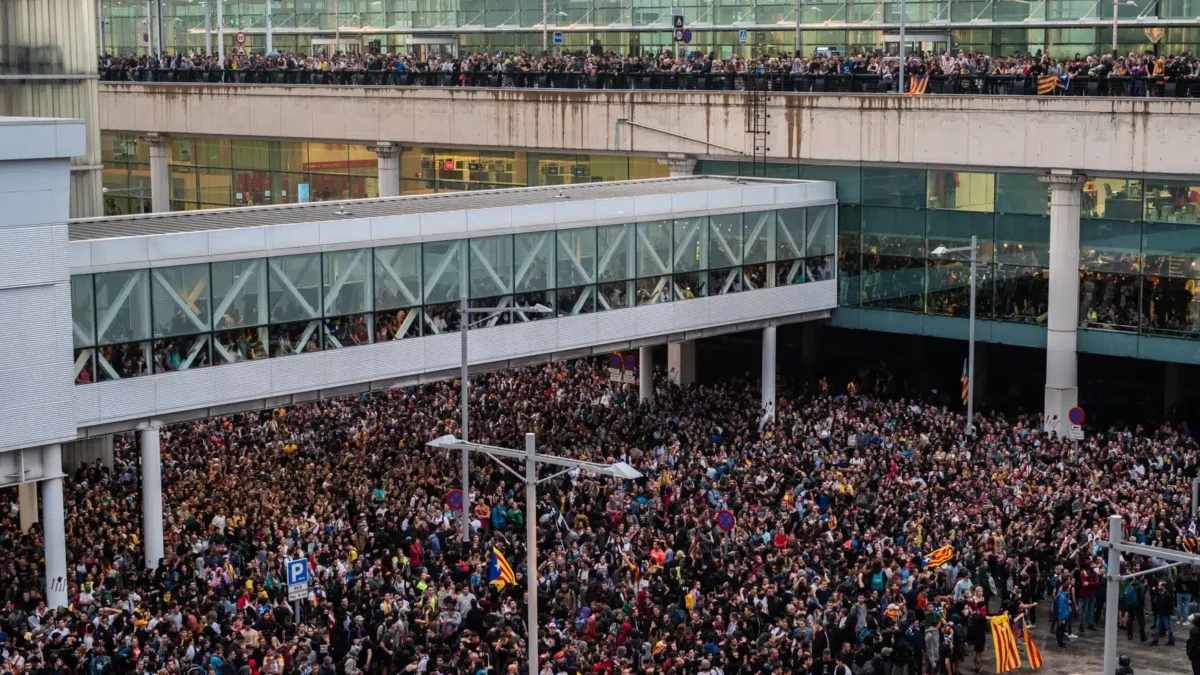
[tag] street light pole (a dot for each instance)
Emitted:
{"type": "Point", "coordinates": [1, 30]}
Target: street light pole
{"type": "Point", "coordinates": [531, 548]}
{"type": "Point", "coordinates": [971, 343]}
{"type": "Point", "coordinates": [799, 9]}
{"type": "Point", "coordinates": [267, 21]}
{"type": "Point", "coordinates": [1114, 35]}
{"type": "Point", "coordinates": [901, 88]}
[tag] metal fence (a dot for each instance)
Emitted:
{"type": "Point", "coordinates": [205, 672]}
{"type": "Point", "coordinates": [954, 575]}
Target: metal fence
{"type": "Point", "coordinates": [988, 85]}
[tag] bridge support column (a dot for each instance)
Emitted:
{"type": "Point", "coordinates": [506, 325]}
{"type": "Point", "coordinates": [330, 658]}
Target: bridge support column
{"type": "Point", "coordinates": [768, 370]}
{"type": "Point", "coordinates": [679, 165]}
{"type": "Point", "coordinates": [54, 527]}
{"type": "Point", "coordinates": [389, 168]}
{"type": "Point", "coordinates": [160, 173]}
{"type": "Point", "coordinates": [645, 374]}
{"type": "Point", "coordinates": [152, 511]}
{"type": "Point", "coordinates": [1062, 390]}
{"type": "Point", "coordinates": [681, 362]}
{"type": "Point", "coordinates": [27, 501]}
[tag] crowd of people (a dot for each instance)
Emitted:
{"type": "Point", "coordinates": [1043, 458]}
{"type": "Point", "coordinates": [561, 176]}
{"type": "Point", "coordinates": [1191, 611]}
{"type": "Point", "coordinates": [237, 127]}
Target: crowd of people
{"type": "Point", "coordinates": [837, 499]}
{"type": "Point", "coordinates": [696, 62]}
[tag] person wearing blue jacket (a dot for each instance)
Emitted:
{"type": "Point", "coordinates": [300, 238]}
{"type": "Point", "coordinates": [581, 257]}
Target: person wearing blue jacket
{"type": "Point", "coordinates": [1062, 614]}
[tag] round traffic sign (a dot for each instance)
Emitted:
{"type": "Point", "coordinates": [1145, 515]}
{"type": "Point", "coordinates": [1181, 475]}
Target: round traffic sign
{"type": "Point", "coordinates": [454, 499]}
{"type": "Point", "coordinates": [1076, 416]}
{"type": "Point", "coordinates": [615, 360]}
{"type": "Point", "coordinates": [679, 36]}
{"type": "Point", "coordinates": [687, 35]}
{"type": "Point", "coordinates": [630, 363]}
{"type": "Point", "coordinates": [725, 520]}
{"type": "Point", "coordinates": [240, 38]}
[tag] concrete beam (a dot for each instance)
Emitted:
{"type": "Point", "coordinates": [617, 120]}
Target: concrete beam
{"type": "Point", "coordinates": [1099, 136]}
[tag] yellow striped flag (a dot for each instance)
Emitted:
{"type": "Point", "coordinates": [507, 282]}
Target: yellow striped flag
{"type": "Point", "coordinates": [966, 383]}
{"type": "Point", "coordinates": [1031, 650]}
{"type": "Point", "coordinates": [1006, 645]}
{"type": "Point", "coordinates": [917, 84]}
{"type": "Point", "coordinates": [1046, 84]}
{"type": "Point", "coordinates": [500, 572]}
{"type": "Point", "coordinates": [939, 557]}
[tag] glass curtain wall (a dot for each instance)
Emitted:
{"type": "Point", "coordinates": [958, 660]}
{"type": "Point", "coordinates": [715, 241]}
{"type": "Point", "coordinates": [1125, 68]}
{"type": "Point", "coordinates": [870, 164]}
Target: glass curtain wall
{"type": "Point", "coordinates": [1139, 245]}
{"type": "Point", "coordinates": [142, 322]}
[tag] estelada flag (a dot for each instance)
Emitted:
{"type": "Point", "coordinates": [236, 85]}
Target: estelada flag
{"type": "Point", "coordinates": [1006, 645]}
{"type": "Point", "coordinates": [939, 557]}
{"type": "Point", "coordinates": [1031, 650]}
{"type": "Point", "coordinates": [500, 572]}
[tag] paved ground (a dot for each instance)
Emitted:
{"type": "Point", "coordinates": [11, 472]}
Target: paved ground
{"type": "Point", "coordinates": [1085, 656]}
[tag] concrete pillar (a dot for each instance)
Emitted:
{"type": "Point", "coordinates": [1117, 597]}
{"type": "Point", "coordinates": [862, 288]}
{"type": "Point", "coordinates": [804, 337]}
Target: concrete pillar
{"type": "Point", "coordinates": [768, 370]}
{"type": "Point", "coordinates": [678, 165]}
{"type": "Point", "coordinates": [389, 168]}
{"type": "Point", "coordinates": [1062, 391]}
{"type": "Point", "coordinates": [1172, 386]}
{"type": "Point", "coordinates": [27, 501]}
{"type": "Point", "coordinates": [60, 38]}
{"type": "Point", "coordinates": [152, 510]}
{"type": "Point", "coordinates": [681, 362]}
{"type": "Point", "coordinates": [160, 173]}
{"type": "Point", "coordinates": [645, 374]}
{"type": "Point", "coordinates": [54, 527]}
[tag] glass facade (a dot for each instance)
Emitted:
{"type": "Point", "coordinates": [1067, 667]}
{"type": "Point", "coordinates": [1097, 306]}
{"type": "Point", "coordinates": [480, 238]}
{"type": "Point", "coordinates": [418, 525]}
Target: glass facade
{"type": "Point", "coordinates": [1139, 245]}
{"type": "Point", "coordinates": [142, 322]}
{"type": "Point", "coordinates": [449, 27]}
{"type": "Point", "coordinates": [211, 173]}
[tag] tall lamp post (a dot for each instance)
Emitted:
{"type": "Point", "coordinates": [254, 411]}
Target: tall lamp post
{"type": "Point", "coordinates": [619, 470]}
{"type": "Point", "coordinates": [464, 323]}
{"type": "Point", "coordinates": [974, 249]}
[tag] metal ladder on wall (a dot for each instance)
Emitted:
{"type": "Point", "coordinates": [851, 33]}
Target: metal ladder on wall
{"type": "Point", "coordinates": [756, 124]}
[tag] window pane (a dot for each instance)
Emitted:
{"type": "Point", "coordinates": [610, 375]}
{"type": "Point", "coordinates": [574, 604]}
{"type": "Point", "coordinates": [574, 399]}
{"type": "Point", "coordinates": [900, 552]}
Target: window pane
{"type": "Point", "coordinates": [1022, 294]}
{"type": "Point", "coordinates": [1169, 306]}
{"type": "Point", "coordinates": [893, 282]}
{"type": "Point", "coordinates": [576, 257]}
{"type": "Point", "coordinates": [239, 293]}
{"type": "Point", "coordinates": [442, 263]}
{"type": "Point", "coordinates": [949, 289]}
{"type": "Point", "coordinates": [894, 232]}
{"type": "Point", "coordinates": [398, 324]}
{"type": "Point", "coordinates": [181, 304]}
{"type": "Point", "coordinates": [491, 266]}
{"type": "Point", "coordinates": [534, 261]}
{"type": "Point", "coordinates": [295, 283]}
{"type": "Point", "coordinates": [577, 300]}
{"type": "Point", "coordinates": [347, 331]}
{"type": "Point", "coordinates": [1023, 240]}
{"type": "Point", "coordinates": [1112, 198]}
{"type": "Point", "coordinates": [122, 306]}
{"type": "Point", "coordinates": [83, 310]}
{"type": "Point", "coordinates": [347, 277]}
{"type": "Point", "coordinates": [953, 229]}
{"type": "Point", "coordinates": [617, 246]}
{"type": "Point", "coordinates": [789, 234]}
{"type": "Point", "coordinates": [848, 179]}
{"type": "Point", "coordinates": [397, 276]}
{"type": "Point", "coordinates": [289, 339]}
{"type": "Point", "coordinates": [820, 230]}
{"type": "Point", "coordinates": [894, 187]}
{"type": "Point", "coordinates": [725, 240]}
{"type": "Point", "coordinates": [1109, 300]}
{"type": "Point", "coordinates": [616, 295]}
{"type": "Point", "coordinates": [1109, 245]}
{"type": "Point", "coordinates": [181, 353]}
{"type": "Point", "coordinates": [1172, 249]}
{"type": "Point", "coordinates": [759, 237]}
{"type": "Point", "coordinates": [961, 191]}
{"type": "Point", "coordinates": [691, 244]}
{"type": "Point", "coordinates": [1173, 201]}
{"type": "Point", "coordinates": [653, 248]}
{"type": "Point", "coordinates": [690, 285]}
{"type": "Point", "coordinates": [1022, 193]}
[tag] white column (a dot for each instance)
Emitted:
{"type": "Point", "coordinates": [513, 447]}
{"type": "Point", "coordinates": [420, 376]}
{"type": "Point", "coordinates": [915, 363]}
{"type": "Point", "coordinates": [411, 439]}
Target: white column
{"type": "Point", "coordinates": [681, 362]}
{"type": "Point", "coordinates": [1062, 391]}
{"type": "Point", "coordinates": [54, 527]}
{"type": "Point", "coordinates": [152, 510]}
{"type": "Point", "coordinates": [768, 370]}
{"type": "Point", "coordinates": [160, 173]}
{"type": "Point", "coordinates": [27, 501]}
{"type": "Point", "coordinates": [645, 374]}
{"type": "Point", "coordinates": [678, 165]}
{"type": "Point", "coordinates": [388, 154]}
{"type": "Point", "coordinates": [531, 548]}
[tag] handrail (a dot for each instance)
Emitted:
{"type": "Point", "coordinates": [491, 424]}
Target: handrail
{"type": "Point", "coordinates": [985, 85]}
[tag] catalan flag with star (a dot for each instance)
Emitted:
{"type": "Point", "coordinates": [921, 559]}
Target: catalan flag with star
{"type": "Point", "coordinates": [939, 557]}
{"type": "Point", "coordinates": [1007, 657]}
{"type": "Point", "coordinates": [500, 573]}
{"type": "Point", "coordinates": [1031, 650]}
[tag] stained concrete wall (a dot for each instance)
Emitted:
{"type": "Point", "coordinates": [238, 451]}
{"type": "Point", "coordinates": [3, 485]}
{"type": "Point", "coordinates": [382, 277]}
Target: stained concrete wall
{"type": "Point", "coordinates": [1114, 136]}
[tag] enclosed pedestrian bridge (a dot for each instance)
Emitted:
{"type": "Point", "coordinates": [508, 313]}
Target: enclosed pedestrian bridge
{"type": "Point", "coordinates": [187, 315]}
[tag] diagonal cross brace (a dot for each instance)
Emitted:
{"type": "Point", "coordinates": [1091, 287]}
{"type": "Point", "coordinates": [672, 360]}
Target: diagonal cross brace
{"type": "Point", "coordinates": [291, 287]}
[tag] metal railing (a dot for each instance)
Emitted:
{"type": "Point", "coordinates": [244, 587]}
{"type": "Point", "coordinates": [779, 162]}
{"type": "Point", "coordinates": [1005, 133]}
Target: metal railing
{"type": "Point", "coordinates": [987, 85]}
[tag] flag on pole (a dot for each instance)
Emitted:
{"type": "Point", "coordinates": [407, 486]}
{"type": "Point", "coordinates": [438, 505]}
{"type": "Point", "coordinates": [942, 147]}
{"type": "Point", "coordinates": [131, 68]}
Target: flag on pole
{"type": "Point", "coordinates": [1006, 645]}
{"type": "Point", "coordinates": [966, 383]}
{"type": "Point", "coordinates": [939, 557]}
{"type": "Point", "coordinates": [1031, 650]}
{"type": "Point", "coordinates": [499, 571]}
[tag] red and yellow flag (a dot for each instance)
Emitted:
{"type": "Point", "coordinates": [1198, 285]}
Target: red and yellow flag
{"type": "Point", "coordinates": [917, 84]}
{"type": "Point", "coordinates": [1006, 645]}
{"type": "Point", "coordinates": [1031, 650]}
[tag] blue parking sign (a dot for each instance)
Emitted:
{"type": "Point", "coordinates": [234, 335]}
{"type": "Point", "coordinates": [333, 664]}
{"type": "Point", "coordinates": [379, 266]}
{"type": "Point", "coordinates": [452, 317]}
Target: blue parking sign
{"type": "Point", "coordinates": [742, 37]}
{"type": "Point", "coordinates": [558, 37]}
{"type": "Point", "coordinates": [297, 571]}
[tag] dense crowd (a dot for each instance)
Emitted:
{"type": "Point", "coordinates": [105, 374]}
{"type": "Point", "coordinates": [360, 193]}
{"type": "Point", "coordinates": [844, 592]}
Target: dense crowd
{"type": "Point", "coordinates": [837, 499]}
{"type": "Point", "coordinates": [695, 62]}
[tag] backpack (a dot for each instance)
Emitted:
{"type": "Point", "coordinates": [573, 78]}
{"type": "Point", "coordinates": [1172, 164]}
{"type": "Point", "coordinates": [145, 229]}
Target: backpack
{"type": "Point", "coordinates": [1130, 595]}
{"type": "Point", "coordinates": [877, 581]}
